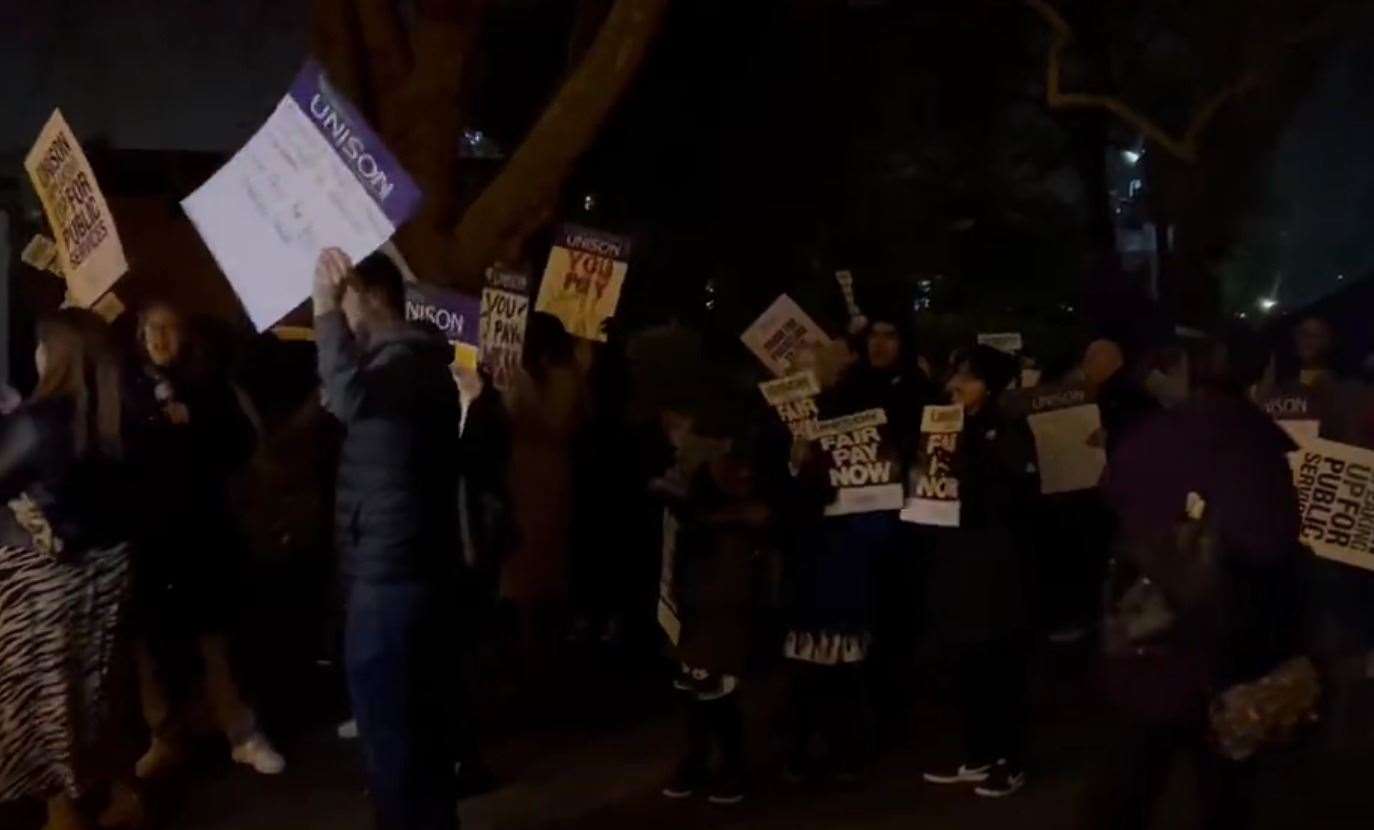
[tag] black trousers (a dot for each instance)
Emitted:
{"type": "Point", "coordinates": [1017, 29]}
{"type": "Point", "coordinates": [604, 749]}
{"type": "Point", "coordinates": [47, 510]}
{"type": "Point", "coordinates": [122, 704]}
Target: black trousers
{"type": "Point", "coordinates": [1131, 778]}
{"type": "Point", "coordinates": [992, 682]}
{"type": "Point", "coordinates": [717, 722]}
{"type": "Point", "coordinates": [891, 665]}
{"type": "Point", "coordinates": [403, 683]}
{"type": "Point", "coordinates": [1073, 537]}
{"type": "Point", "coordinates": [830, 702]}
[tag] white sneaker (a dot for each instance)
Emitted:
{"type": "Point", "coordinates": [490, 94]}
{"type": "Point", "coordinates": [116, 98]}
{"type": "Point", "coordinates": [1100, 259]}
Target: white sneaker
{"type": "Point", "coordinates": [257, 753]}
{"type": "Point", "coordinates": [1001, 782]}
{"type": "Point", "coordinates": [348, 730]}
{"type": "Point", "coordinates": [964, 774]}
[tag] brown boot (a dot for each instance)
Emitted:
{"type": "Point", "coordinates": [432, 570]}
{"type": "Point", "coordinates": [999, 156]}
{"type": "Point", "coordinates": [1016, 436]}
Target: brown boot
{"type": "Point", "coordinates": [125, 810]}
{"type": "Point", "coordinates": [162, 757]}
{"type": "Point", "coordinates": [63, 814]}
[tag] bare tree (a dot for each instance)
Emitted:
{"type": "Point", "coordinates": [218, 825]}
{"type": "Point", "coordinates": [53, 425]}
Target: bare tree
{"type": "Point", "coordinates": [1210, 86]}
{"type": "Point", "coordinates": [409, 73]}
{"type": "Point", "coordinates": [1276, 30]}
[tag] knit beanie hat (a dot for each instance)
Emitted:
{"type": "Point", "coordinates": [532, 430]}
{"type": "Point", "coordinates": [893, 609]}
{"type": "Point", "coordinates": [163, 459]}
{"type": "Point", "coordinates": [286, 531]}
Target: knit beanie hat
{"type": "Point", "coordinates": [995, 368]}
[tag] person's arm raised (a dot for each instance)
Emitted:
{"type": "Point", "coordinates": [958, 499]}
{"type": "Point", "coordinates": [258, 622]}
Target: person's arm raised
{"type": "Point", "coordinates": [337, 350]}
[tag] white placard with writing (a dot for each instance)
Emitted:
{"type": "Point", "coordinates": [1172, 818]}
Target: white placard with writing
{"type": "Point", "coordinates": [781, 334]}
{"type": "Point", "coordinates": [314, 176]}
{"type": "Point", "coordinates": [89, 253]}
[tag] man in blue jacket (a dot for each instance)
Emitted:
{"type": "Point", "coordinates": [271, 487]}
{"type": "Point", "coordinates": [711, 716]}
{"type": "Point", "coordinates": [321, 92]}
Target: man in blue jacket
{"type": "Point", "coordinates": [396, 521]}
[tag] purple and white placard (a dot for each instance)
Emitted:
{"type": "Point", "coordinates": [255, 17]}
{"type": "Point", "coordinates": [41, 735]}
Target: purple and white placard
{"type": "Point", "coordinates": [457, 315]}
{"type": "Point", "coordinates": [314, 176]}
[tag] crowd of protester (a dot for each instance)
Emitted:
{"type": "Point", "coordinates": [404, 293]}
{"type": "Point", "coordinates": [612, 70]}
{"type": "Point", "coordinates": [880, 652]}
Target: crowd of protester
{"type": "Point", "coordinates": [122, 564]}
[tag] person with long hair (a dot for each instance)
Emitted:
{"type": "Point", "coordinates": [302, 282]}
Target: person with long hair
{"type": "Point", "coordinates": [64, 572]}
{"type": "Point", "coordinates": [192, 433]}
{"type": "Point", "coordinates": [548, 406]}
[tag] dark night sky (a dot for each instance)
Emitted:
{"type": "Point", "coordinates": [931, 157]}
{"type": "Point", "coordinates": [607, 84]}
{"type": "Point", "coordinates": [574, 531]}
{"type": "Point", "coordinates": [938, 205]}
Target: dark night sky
{"type": "Point", "coordinates": [159, 74]}
{"type": "Point", "coordinates": [1322, 180]}
{"type": "Point", "coordinates": [201, 76]}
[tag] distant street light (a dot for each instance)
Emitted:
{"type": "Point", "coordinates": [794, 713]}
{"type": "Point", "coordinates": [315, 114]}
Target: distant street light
{"type": "Point", "coordinates": [1267, 304]}
{"type": "Point", "coordinates": [1131, 156]}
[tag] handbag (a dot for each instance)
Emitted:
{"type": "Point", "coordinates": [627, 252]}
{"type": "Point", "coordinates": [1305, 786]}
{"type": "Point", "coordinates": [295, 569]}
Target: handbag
{"type": "Point", "coordinates": [1140, 616]}
{"type": "Point", "coordinates": [1266, 713]}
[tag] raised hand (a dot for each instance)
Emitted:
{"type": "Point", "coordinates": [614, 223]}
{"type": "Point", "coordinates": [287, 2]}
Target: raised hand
{"type": "Point", "coordinates": [331, 272]}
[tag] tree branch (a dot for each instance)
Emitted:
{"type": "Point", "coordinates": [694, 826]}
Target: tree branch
{"type": "Point", "coordinates": [336, 43]}
{"type": "Point", "coordinates": [426, 125]}
{"type": "Point", "coordinates": [1184, 148]}
{"type": "Point", "coordinates": [524, 194]}
{"type": "Point", "coordinates": [387, 51]}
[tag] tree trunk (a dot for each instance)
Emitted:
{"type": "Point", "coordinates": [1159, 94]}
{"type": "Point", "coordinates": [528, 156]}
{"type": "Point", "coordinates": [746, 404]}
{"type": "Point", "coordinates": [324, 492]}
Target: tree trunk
{"type": "Point", "coordinates": [335, 42]}
{"type": "Point", "coordinates": [425, 129]}
{"type": "Point", "coordinates": [525, 194]}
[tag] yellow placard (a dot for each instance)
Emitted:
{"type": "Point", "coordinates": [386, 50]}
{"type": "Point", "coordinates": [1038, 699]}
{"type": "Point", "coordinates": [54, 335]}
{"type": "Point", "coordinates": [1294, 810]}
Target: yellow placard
{"type": "Point", "coordinates": [465, 356]}
{"type": "Point", "coordinates": [88, 247]}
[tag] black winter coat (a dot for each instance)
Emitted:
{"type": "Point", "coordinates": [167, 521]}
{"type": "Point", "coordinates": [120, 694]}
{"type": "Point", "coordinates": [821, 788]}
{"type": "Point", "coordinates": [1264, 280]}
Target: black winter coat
{"type": "Point", "coordinates": [396, 512]}
{"type": "Point", "coordinates": [1124, 405]}
{"type": "Point", "coordinates": [484, 455]}
{"type": "Point", "coordinates": [80, 498]}
{"type": "Point", "coordinates": [185, 469]}
{"type": "Point", "coordinates": [977, 583]}
{"type": "Point", "coordinates": [191, 550]}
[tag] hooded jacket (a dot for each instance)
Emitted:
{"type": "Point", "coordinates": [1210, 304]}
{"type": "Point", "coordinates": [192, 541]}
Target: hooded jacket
{"type": "Point", "coordinates": [397, 498]}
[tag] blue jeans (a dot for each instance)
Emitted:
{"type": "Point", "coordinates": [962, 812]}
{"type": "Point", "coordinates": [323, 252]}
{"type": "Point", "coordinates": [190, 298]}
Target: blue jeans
{"type": "Point", "coordinates": [403, 683]}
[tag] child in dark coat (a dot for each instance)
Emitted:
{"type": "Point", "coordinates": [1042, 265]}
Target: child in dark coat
{"type": "Point", "coordinates": [977, 578]}
{"type": "Point", "coordinates": [722, 524]}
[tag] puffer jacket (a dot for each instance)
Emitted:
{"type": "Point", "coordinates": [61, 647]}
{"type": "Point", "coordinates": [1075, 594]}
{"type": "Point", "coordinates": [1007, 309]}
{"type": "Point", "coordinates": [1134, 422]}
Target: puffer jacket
{"type": "Point", "coordinates": [397, 497]}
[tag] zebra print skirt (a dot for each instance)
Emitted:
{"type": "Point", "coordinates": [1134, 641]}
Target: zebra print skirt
{"type": "Point", "coordinates": [59, 631]}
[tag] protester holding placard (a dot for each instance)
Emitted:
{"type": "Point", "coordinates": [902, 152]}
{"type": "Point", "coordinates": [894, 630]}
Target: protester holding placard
{"type": "Point", "coordinates": [1308, 393]}
{"type": "Point", "coordinates": [484, 456]}
{"type": "Point", "coordinates": [978, 578]}
{"type": "Point", "coordinates": [547, 409]}
{"type": "Point", "coordinates": [887, 376]}
{"type": "Point", "coordinates": [1328, 414]}
{"type": "Point", "coordinates": [191, 434]}
{"type": "Point", "coordinates": [1204, 596]}
{"type": "Point", "coordinates": [1072, 525]}
{"type": "Point", "coordinates": [487, 531]}
{"type": "Point", "coordinates": [388, 382]}
{"type": "Point", "coordinates": [848, 484]}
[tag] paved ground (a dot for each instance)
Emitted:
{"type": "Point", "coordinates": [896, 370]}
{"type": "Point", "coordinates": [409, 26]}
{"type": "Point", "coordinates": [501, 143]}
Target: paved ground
{"type": "Point", "coordinates": [603, 743]}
